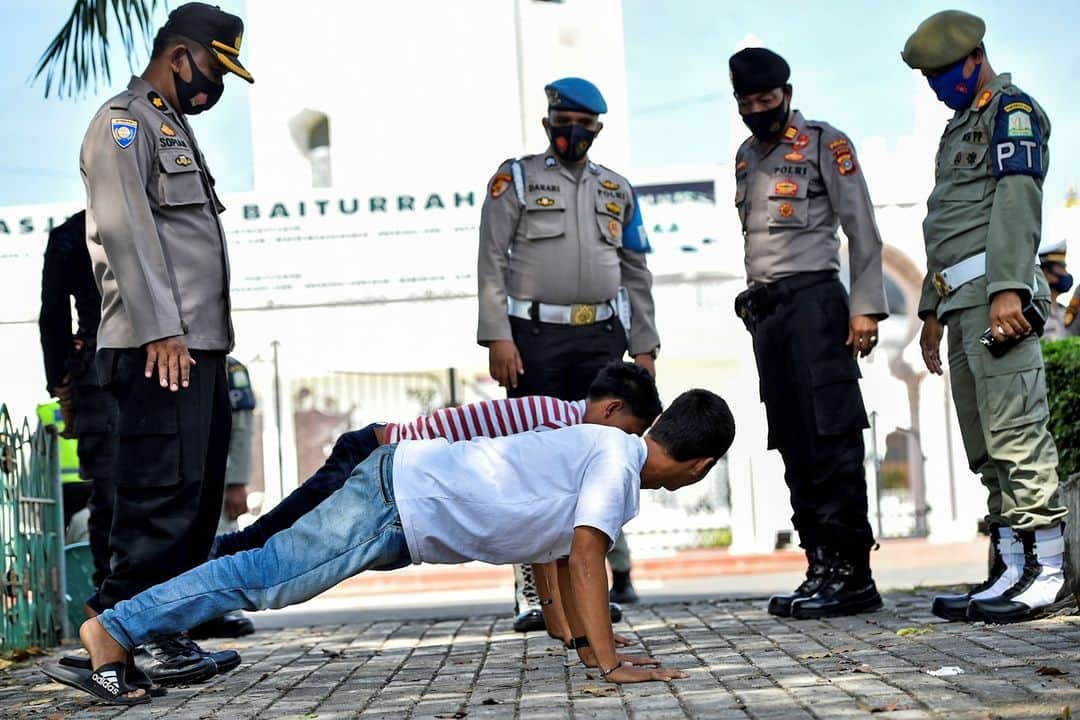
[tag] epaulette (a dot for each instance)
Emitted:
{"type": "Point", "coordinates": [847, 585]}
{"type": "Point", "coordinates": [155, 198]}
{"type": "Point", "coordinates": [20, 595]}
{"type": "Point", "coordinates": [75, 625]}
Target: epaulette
{"type": "Point", "coordinates": [121, 101]}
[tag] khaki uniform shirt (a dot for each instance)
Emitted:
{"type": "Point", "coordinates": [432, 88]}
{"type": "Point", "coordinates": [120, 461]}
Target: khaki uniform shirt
{"type": "Point", "coordinates": [564, 246]}
{"type": "Point", "coordinates": [791, 199]}
{"type": "Point", "coordinates": [972, 210]}
{"type": "Point", "coordinates": [152, 226]}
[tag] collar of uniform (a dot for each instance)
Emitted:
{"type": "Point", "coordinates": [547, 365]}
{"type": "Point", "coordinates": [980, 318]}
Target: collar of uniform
{"type": "Point", "coordinates": [999, 83]}
{"type": "Point", "coordinates": [141, 88]}
{"type": "Point", "coordinates": [794, 128]}
{"type": "Point", "coordinates": [551, 162]}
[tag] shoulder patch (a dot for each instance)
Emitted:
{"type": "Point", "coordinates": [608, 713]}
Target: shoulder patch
{"type": "Point", "coordinates": [124, 131]}
{"type": "Point", "coordinates": [499, 184]}
{"type": "Point", "coordinates": [1017, 140]}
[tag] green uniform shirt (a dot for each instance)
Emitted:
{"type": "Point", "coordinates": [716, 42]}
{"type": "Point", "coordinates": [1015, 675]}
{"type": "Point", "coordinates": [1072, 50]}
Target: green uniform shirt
{"type": "Point", "coordinates": [988, 197]}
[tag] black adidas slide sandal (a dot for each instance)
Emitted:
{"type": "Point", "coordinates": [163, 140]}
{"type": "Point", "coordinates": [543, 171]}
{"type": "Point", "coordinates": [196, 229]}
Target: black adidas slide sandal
{"type": "Point", "coordinates": [135, 676]}
{"type": "Point", "coordinates": [108, 682]}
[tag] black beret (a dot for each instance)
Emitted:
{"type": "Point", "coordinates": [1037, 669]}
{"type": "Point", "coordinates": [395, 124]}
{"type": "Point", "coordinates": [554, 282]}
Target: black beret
{"type": "Point", "coordinates": [755, 70]}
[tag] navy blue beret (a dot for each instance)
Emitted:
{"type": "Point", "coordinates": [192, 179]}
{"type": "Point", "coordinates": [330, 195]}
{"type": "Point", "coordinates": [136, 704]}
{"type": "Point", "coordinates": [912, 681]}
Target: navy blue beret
{"type": "Point", "coordinates": [575, 94]}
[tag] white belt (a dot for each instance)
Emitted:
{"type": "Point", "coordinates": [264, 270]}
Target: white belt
{"type": "Point", "coordinates": [956, 276]}
{"type": "Point", "coordinates": [560, 314]}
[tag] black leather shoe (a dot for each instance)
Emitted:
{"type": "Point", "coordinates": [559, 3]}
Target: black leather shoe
{"type": "Point", "coordinates": [817, 572]}
{"type": "Point", "coordinates": [229, 625]}
{"type": "Point", "coordinates": [847, 591]}
{"type": "Point", "coordinates": [168, 661]}
{"type": "Point", "coordinates": [224, 660]}
{"type": "Point", "coordinates": [529, 621]}
{"type": "Point", "coordinates": [616, 612]}
{"type": "Point", "coordinates": [622, 590]}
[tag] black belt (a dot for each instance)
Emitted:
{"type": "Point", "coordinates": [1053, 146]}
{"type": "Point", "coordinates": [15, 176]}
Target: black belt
{"type": "Point", "coordinates": [758, 302]}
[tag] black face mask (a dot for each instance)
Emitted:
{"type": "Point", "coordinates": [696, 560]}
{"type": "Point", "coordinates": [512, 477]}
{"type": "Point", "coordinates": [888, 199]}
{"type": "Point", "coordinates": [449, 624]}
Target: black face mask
{"type": "Point", "coordinates": [198, 95]}
{"type": "Point", "coordinates": [767, 124]}
{"type": "Point", "coordinates": [571, 142]}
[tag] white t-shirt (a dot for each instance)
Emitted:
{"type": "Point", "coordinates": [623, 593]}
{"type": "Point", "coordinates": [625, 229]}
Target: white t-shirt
{"type": "Point", "coordinates": [515, 499]}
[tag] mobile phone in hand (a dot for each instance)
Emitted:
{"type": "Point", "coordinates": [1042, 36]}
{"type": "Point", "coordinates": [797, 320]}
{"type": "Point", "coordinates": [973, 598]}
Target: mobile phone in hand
{"type": "Point", "coordinates": [998, 348]}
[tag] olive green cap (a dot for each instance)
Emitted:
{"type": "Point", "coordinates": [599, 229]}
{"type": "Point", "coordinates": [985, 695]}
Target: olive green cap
{"type": "Point", "coordinates": [943, 39]}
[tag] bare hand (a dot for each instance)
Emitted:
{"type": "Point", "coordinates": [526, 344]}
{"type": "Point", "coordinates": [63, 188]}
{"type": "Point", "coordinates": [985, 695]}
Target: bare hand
{"type": "Point", "coordinates": [67, 408]}
{"type": "Point", "coordinates": [622, 641]}
{"type": "Point", "coordinates": [1007, 316]}
{"type": "Point", "coordinates": [862, 335]}
{"type": "Point", "coordinates": [173, 362]}
{"type": "Point", "coordinates": [235, 501]}
{"type": "Point", "coordinates": [504, 363]}
{"type": "Point", "coordinates": [930, 342]}
{"type": "Point", "coordinates": [630, 674]}
{"type": "Point", "coordinates": [637, 660]}
{"type": "Point", "coordinates": [646, 361]}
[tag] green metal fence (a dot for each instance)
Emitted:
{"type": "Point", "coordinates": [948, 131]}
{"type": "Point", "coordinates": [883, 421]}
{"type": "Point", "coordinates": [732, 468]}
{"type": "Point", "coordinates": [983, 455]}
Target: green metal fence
{"type": "Point", "coordinates": [32, 602]}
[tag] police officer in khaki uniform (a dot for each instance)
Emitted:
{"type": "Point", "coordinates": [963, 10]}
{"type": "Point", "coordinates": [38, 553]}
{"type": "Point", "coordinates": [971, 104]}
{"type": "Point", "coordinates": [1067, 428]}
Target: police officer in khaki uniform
{"type": "Point", "coordinates": [563, 284]}
{"type": "Point", "coordinates": [1060, 323]}
{"type": "Point", "coordinates": [796, 181]}
{"type": "Point", "coordinates": [160, 261]}
{"type": "Point", "coordinates": [982, 231]}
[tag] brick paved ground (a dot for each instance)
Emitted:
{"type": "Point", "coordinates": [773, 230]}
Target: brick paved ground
{"type": "Point", "coordinates": [743, 663]}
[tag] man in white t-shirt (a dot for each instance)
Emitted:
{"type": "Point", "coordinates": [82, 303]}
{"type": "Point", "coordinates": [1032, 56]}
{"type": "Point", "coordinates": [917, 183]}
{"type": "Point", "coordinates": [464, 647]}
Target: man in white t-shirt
{"type": "Point", "coordinates": [531, 497]}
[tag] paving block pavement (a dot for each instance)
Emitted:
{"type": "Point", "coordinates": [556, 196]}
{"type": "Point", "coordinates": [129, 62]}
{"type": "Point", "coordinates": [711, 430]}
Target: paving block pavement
{"type": "Point", "coordinates": [743, 663]}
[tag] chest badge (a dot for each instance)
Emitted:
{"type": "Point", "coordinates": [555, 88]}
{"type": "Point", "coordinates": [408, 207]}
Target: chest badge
{"type": "Point", "coordinates": [802, 141]}
{"type": "Point", "coordinates": [786, 210]}
{"type": "Point", "coordinates": [609, 185]}
{"type": "Point", "coordinates": [614, 228]}
{"type": "Point", "coordinates": [124, 131]}
{"type": "Point", "coordinates": [795, 156]}
{"type": "Point", "coordinates": [786, 188]}
{"type": "Point", "coordinates": [614, 208]}
{"type": "Point", "coordinates": [166, 130]}
{"type": "Point", "coordinates": [183, 160]}
{"type": "Point", "coordinates": [984, 99]}
{"type": "Point", "coordinates": [545, 202]}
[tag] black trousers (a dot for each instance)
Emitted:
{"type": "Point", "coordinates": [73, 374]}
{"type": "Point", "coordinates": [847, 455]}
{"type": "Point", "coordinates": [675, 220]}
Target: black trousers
{"type": "Point", "coordinates": [170, 470]}
{"type": "Point", "coordinates": [351, 449]}
{"type": "Point", "coordinates": [809, 384]}
{"type": "Point", "coordinates": [95, 427]}
{"type": "Point", "coordinates": [562, 360]}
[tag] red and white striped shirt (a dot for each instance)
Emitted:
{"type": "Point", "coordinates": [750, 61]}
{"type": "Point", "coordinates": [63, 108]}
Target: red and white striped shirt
{"type": "Point", "coordinates": [491, 418]}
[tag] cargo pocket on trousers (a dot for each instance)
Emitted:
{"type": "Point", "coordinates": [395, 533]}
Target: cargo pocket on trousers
{"type": "Point", "coordinates": [838, 406]}
{"type": "Point", "coordinates": [148, 442]}
{"type": "Point", "coordinates": [1016, 387]}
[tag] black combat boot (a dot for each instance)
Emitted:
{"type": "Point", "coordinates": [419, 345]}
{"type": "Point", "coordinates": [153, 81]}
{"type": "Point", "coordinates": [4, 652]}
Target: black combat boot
{"type": "Point", "coordinates": [622, 590]}
{"type": "Point", "coordinates": [817, 572]}
{"type": "Point", "coordinates": [1005, 568]}
{"type": "Point", "coordinates": [849, 589]}
{"type": "Point", "coordinates": [1044, 586]}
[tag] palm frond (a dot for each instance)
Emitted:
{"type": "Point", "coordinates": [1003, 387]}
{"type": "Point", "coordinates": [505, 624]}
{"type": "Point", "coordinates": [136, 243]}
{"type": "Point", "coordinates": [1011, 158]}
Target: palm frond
{"type": "Point", "coordinates": [77, 59]}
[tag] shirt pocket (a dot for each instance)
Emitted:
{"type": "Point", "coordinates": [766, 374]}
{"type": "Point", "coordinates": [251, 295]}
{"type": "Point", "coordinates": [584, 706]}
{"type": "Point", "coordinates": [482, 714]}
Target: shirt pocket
{"type": "Point", "coordinates": [969, 178]}
{"type": "Point", "coordinates": [609, 214]}
{"type": "Point", "coordinates": [788, 204]}
{"type": "Point", "coordinates": [180, 182]}
{"type": "Point", "coordinates": [545, 217]}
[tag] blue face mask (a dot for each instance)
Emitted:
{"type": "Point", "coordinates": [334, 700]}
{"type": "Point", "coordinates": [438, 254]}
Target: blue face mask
{"type": "Point", "coordinates": [952, 88]}
{"type": "Point", "coordinates": [1064, 283]}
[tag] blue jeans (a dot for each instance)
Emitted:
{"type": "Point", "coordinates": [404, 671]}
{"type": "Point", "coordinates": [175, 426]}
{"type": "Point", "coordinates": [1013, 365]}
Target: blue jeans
{"type": "Point", "coordinates": [358, 528]}
{"type": "Point", "coordinates": [351, 449]}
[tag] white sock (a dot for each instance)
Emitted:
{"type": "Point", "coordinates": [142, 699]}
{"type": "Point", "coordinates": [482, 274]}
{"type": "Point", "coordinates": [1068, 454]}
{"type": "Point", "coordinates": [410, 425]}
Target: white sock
{"type": "Point", "coordinates": [1050, 549]}
{"type": "Point", "coordinates": [1012, 554]}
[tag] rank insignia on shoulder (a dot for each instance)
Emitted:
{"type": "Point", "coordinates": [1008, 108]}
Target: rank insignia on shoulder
{"type": "Point", "coordinates": [786, 188]}
{"type": "Point", "coordinates": [183, 160]}
{"type": "Point", "coordinates": [984, 99]}
{"type": "Point", "coordinates": [166, 130]}
{"type": "Point", "coordinates": [614, 208]}
{"type": "Point", "coordinates": [156, 100]}
{"type": "Point", "coordinates": [791, 132]}
{"type": "Point", "coordinates": [499, 183]}
{"type": "Point", "coordinates": [124, 131]}
{"type": "Point", "coordinates": [609, 185]}
{"type": "Point", "coordinates": [545, 202]}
